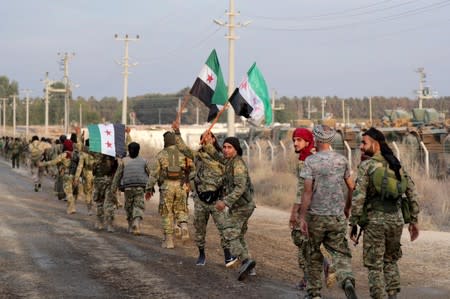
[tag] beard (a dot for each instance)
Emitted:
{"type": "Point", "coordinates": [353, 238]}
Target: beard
{"type": "Point", "coordinates": [369, 152]}
{"type": "Point", "coordinates": [297, 151]}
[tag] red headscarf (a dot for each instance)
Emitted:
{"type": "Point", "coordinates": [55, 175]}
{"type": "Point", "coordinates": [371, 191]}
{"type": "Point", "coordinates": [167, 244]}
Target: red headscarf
{"type": "Point", "coordinates": [306, 135]}
{"type": "Point", "coordinates": [68, 145]}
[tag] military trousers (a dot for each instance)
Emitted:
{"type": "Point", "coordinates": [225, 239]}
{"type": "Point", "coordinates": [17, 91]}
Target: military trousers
{"type": "Point", "coordinates": [172, 206]}
{"type": "Point", "coordinates": [381, 252]}
{"type": "Point", "coordinates": [104, 198]}
{"type": "Point", "coordinates": [88, 187]}
{"type": "Point", "coordinates": [235, 228]}
{"type": "Point", "coordinates": [202, 212]}
{"type": "Point", "coordinates": [329, 231]}
{"type": "Point", "coordinates": [68, 190]}
{"type": "Point", "coordinates": [134, 203]}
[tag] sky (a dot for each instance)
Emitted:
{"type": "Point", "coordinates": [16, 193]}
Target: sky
{"type": "Point", "coordinates": [345, 48]}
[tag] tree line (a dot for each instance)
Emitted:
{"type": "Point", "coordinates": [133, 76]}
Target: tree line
{"type": "Point", "coordinates": [162, 108]}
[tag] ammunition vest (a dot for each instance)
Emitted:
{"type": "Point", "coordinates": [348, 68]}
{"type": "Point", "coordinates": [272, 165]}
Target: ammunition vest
{"type": "Point", "coordinates": [106, 166]}
{"type": "Point", "coordinates": [134, 174]}
{"type": "Point", "coordinates": [174, 170]}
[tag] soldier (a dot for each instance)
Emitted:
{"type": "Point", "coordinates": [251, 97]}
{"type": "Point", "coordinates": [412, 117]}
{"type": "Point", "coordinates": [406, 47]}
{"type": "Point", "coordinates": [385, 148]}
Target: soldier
{"type": "Point", "coordinates": [103, 170]}
{"type": "Point", "coordinates": [64, 163]}
{"type": "Point", "coordinates": [16, 149]}
{"type": "Point", "coordinates": [169, 172]}
{"type": "Point", "coordinates": [207, 185]}
{"type": "Point", "coordinates": [323, 200]}
{"type": "Point", "coordinates": [376, 207]}
{"type": "Point", "coordinates": [84, 170]}
{"type": "Point", "coordinates": [237, 196]}
{"type": "Point", "coordinates": [132, 176]}
{"type": "Point", "coordinates": [36, 151]}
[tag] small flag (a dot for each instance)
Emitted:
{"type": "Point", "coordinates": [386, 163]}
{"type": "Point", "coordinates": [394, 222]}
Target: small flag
{"type": "Point", "coordinates": [107, 139]}
{"type": "Point", "coordinates": [209, 87]}
{"type": "Point", "coordinates": [251, 99]}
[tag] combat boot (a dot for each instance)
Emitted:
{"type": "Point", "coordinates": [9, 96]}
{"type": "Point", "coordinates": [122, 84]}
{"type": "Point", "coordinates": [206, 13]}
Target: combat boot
{"type": "Point", "coordinates": [230, 260]}
{"type": "Point", "coordinates": [184, 232]}
{"type": "Point", "coordinates": [177, 231]}
{"type": "Point", "coordinates": [246, 267]}
{"type": "Point", "coordinates": [349, 289]}
{"type": "Point", "coordinates": [89, 209]}
{"type": "Point", "coordinates": [136, 226]}
{"type": "Point", "coordinates": [130, 226]}
{"type": "Point", "coordinates": [109, 226]}
{"type": "Point", "coordinates": [201, 260]}
{"type": "Point", "coordinates": [99, 224]}
{"type": "Point", "coordinates": [392, 294]}
{"type": "Point", "coordinates": [168, 242]}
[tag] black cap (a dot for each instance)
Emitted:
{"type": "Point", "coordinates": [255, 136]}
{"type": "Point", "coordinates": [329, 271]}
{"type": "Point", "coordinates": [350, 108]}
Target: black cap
{"type": "Point", "coordinates": [375, 134]}
{"type": "Point", "coordinates": [235, 143]}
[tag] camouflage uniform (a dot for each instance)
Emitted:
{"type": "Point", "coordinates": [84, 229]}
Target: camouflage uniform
{"type": "Point", "coordinates": [16, 150]}
{"type": "Point", "coordinates": [104, 168]}
{"type": "Point", "coordinates": [84, 169]}
{"type": "Point", "coordinates": [63, 162]}
{"type": "Point", "coordinates": [382, 233]}
{"type": "Point", "coordinates": [173, 201]}
{"type": "Point", "coordinates": [134, 194]}
{"type": "Point", "coordinates": [238, 197]}
{"type": "Point", "coordinates": [208, 179]}
{"type": "Point", "coordinates": [326, 221]}
{"type": "Point", "coordinates": [36, 152]}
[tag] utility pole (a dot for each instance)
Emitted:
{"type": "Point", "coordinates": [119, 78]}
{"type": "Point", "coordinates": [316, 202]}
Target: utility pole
{"type": "Point", "coordinates": [231, 38]}
{"type": "Point", "coordinates": [424, 92]}
{"type": "Point", "coordinates": [125, 73]}
{"type": "Point", "coordinates": [4, 115]}
{"type": "Point", "coordinates": [27, 121]}
{"type": "Point", "coordinates": [343, 112]}
{"type": "Point", "coordinates": [48, 89]}
{"type": "Point", "coordinates": [14, 115]}
{"type": "Point", "coordinates": [309, 107]}
{"type": "Point", "coordinates": [370, 111]}
{"type": "Point", "coordinates": [323, 102]}
{"type": "Point", "coordinates": [65, 61]}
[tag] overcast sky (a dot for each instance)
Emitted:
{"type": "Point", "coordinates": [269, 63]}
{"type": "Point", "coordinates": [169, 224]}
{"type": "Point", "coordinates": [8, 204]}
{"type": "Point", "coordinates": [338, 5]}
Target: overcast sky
{"type": "Point", "coordinates": [312, 47]}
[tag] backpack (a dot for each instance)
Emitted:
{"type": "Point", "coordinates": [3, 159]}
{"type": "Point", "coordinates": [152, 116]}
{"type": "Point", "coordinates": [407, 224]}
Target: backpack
{"type": "Point", "coordinates": [74, 160]}
{"type": "Point", "coordinates": [35, 152]}
{"type": "Point", "coordinates": [386, 184]}
{"type": "Point", "coordinates": [174, 171]}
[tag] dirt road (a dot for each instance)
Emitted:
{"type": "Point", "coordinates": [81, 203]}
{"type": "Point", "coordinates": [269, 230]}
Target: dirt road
{"type": "Point", "coordinates": [46, 254]}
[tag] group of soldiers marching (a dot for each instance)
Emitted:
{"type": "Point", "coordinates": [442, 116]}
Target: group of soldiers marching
{"type": "Point", "coordinates": [218, 179]}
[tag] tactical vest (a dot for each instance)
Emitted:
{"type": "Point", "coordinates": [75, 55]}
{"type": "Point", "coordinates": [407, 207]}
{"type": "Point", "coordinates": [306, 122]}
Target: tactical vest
{"type": "Point", "coordinates": [74, 160]}
{"type": "Point", "coordinates": [134, 174]}
{"type": "Point", "coordinates": [105, 166]}
{"type": "Point", "coordinates": [174, 171]}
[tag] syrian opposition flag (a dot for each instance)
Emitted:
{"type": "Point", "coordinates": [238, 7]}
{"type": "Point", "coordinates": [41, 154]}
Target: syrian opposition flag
{"type": "Point", "coordinates": [107, 139]}
{"type": "Point", "coordinates": [251, 99]}
{"type": "Point", "coordinates": [209, 87]}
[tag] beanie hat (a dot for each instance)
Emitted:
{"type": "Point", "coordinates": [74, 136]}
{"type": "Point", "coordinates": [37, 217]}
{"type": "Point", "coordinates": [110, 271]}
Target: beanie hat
{"type": "Point", "coordinates": [235, 143]}
{"type": "Point", "coordinates": [324, 134]}
{"type": "Point", "coordinates": [306, 135]}
{"type": "Point", "coordinates": [169, 139]}
{"type": "Point", "coordinates": [375, 135]}
{"type": "Point", "coordinates": [133, 149]}
{"type": "Point", "coordinates": [68, 145]}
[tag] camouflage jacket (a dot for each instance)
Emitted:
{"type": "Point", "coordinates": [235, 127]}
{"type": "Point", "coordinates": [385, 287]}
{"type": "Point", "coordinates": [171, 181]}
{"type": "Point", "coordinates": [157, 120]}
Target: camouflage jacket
{"type": "Point", "coordinates": [62, 161]}
{"type": "Point", "coordinates": [300, 182]}
{"type": "Point", "coordinates": [365, 191]}
{"type": "Point", "coordinates": [208, 174]}
{"type": "Point", "coordinates": [238, 188]}
{"type": "Point", "coordinates": [85, 164]}
{"type": "Point", "coordinates": [158, 169]}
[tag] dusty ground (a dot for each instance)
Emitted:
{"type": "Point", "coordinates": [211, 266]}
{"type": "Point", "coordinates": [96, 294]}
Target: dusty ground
{"type": "Point", "coordinates": [44, 253]}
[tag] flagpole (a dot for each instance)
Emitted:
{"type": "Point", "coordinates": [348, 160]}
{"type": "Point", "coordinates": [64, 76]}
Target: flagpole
{"type": "Point", "coordinates": [225, 107]}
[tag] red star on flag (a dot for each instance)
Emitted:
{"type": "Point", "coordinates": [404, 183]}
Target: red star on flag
{"type": "Point", "coordinates": [108, 144]}
{"type": "Point", "coordinates": [210, 78]}
{"type": "Point", "coordinates": [108, 132]}
{"type": "Point", "coordinates": [243, 85]}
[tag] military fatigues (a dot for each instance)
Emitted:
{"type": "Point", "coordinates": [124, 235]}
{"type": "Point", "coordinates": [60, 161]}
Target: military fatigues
{"type": "Point", "coordinates": [84, 170]}
{"type": "Point", "coordinates": [132, 177]}
{"type": "Point", "coordinates": [326, 221]}
{"type": "Point", "coordinates": [173, 201]}
{"type": "Point", "coordinates": [63, 162]}
{"type": "Point", "coordinates": [16, 150]}
{"type": "Point", "coordinates": [238, 197]}
{"type": "Point", "coordinates": [382, 233]}
{"type": "Point", "coordinates": [36, 151]}
{"type": "Point", "coordinates": [105, 200]}
{"type": "Point", "coordinates": [207, 183]}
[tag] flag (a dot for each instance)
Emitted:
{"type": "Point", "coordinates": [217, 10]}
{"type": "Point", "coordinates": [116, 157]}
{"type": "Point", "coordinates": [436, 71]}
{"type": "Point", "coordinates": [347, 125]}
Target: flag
{"type": "Point", "coordinates": [107, 139]}
{"type": "Point", "coordinates": [209, 87]}
{"type": "Point", "coordinates": [251, 99]}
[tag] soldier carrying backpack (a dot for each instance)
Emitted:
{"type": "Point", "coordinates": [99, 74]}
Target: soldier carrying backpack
{"type": "Point", "coordinates": [378, 206]}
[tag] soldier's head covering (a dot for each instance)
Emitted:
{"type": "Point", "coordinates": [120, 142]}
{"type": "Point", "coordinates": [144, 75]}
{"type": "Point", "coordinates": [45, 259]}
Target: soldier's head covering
{"type": "Point", "coordinates": [324, 134]}
{"type": "Point", "coordinates": [215, 143]}
{"type": "Point", "coordinates": [169, 139]}
{"type": "Point", "coordinates": [385, 150]}
{"type": "Point", "coordinates": [68, 145]}
{"type": "Point", "coordinates": [133, 149]}
{"type": "Point", "coordinates": [34, 138]}
{"type": "Point", "coordinates": [306, 135]}
{"type": "Point", "coordinates": [235, 143]}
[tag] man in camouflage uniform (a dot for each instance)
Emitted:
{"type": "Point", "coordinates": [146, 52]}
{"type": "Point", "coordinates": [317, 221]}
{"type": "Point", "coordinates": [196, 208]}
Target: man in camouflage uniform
{"type": "Point", "coordinates": [237, 196]}
{"type": "Point", "coordinates": [132, 176]}
{"type": "Point", "coordinates": [36, 150]}
{"type": "Point", "coordinates": [323, 212]}
{"type": "Point", "coordinates": [381, 217]}
{"type": "Point", "coordinates": [16, 149]}
{"type": "Point", "coordinates": [207, 184]}
{"type": "Point", "coordinates": [63, 161]}
{"type": "Point", "coordinates": [104, 168]}
{"type": "Point", "coordinates": [84, 170]}
{"type": "Point", "coordinates": [168, 171]}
